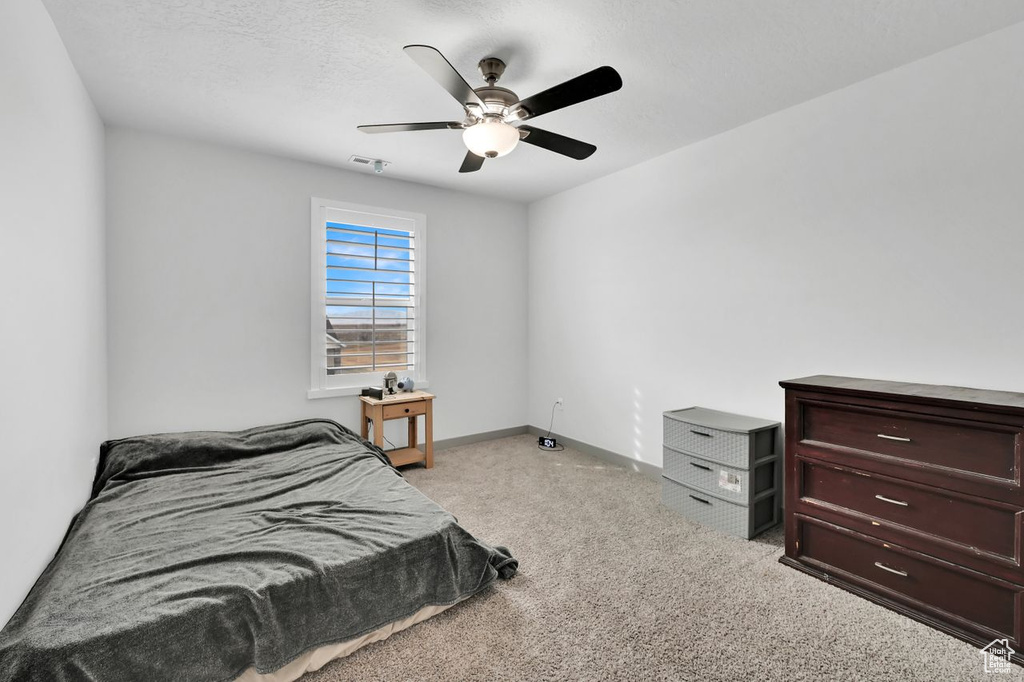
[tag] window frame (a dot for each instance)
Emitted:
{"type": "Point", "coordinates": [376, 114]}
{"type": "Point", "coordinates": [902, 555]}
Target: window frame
{"type": "Point", "coordinates": [321, 384]}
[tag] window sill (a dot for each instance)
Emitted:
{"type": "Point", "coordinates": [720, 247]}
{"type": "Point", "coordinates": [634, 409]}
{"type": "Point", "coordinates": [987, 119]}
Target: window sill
{"type": "Point", "coordinates": [345, 391]}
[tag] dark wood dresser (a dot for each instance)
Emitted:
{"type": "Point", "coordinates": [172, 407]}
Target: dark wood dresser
{"type": "Point", "coordinates": [910, 495]}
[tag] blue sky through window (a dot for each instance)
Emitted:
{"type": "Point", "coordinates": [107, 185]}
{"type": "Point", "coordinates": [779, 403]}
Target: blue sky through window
{"type": "Point", "coordinates": [366, 265]}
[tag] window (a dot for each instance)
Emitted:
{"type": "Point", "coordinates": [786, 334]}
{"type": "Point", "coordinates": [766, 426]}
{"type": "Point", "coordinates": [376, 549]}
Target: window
{"type": "Point", "coordinates": [367, 296]}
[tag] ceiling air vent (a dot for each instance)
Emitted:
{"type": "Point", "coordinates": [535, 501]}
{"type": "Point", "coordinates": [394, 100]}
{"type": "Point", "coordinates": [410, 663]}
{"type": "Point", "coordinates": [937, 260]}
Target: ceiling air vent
{"type": "Point", "coordinates": [378, 165]}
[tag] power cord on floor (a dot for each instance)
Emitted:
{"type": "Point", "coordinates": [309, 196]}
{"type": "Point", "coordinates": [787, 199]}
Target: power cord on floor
{"type": "Point", "coordinates": [393, 446]}
{"type": "Point", "coordinates": [551, 423]}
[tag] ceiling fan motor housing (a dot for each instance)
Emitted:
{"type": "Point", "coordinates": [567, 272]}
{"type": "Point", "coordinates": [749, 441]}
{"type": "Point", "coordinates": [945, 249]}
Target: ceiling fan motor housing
{"type": "Point", "coordinates": [498, 100]}
{"type": "Point", "coordinates": [491, 69]}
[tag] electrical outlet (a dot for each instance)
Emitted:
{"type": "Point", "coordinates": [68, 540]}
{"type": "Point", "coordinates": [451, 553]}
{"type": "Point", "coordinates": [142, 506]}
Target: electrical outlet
{"type": "Point", "coordinates": [560, 403]}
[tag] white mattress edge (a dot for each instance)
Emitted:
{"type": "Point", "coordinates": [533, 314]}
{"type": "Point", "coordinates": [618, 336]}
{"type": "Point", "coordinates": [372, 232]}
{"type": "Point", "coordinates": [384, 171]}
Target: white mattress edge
{"type": "Point", "coordinates": [321, 656]}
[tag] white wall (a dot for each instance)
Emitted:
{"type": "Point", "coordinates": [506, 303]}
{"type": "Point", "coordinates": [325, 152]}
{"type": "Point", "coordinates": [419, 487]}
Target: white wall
{"type": "Point", "coordinates": [208, 267]}
{"type": "Point", "coordinates": [53, 412]}
{"type": "Point", "coordinates": [877, 231]}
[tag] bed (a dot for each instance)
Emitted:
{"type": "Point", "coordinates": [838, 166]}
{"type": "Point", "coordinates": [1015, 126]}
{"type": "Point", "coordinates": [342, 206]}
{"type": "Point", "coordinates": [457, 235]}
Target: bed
{"type": "Point", "coordinates": [253, 555]}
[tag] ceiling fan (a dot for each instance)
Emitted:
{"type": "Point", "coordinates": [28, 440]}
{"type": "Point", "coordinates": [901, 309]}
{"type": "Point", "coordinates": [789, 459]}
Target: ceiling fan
{"type": "Point", "coordinates": [488, 129]}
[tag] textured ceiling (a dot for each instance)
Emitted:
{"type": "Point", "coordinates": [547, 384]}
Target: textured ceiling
{"type": "Point", "coordinates": [295, 77]}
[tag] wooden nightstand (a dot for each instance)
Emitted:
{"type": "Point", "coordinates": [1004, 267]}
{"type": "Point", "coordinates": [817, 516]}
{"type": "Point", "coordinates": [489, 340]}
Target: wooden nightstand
{"type": "Point", "coordinates": [401, 406]}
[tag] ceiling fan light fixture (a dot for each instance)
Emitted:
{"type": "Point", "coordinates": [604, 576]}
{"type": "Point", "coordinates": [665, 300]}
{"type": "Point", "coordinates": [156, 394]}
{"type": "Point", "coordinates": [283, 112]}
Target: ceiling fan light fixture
{"type": "Point", "coordinates": [491, 138]}
{"type": "Point", "coordinates": [487, 129]}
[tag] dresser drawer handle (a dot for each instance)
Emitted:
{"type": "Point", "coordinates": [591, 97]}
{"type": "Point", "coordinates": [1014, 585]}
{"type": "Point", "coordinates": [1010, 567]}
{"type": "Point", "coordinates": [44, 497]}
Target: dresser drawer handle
{"type": "Point", "coordinates": [701, 433]}
{"type": "Point", "coordinates": [883, 498]}
{"type": "Point", "coordinates": [702, 501]}
{"type": "Point", "coordinates": [899, 438]}
{"type": "Point", "coordinates": [700, 466]}
{"type": "Point", "coordinates": [891, 570]}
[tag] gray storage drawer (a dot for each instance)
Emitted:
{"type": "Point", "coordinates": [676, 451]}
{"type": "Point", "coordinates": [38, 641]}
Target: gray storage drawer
{"type": "Point", "coordinates": [727, 482]}
{"type": "Point", "coordinates": [722, 469]}
{"type": "Point", "coordinates": [704, 509]}
{"type": "Point", "coordinates": [709, 510]}
{"type": "Point", "coordinates": [720, 446]}
{"type": "Point", "coordinates": [731, 439]}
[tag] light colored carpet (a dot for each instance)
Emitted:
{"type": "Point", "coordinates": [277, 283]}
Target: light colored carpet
{"type": "Point", "coordinates": [613, 586]}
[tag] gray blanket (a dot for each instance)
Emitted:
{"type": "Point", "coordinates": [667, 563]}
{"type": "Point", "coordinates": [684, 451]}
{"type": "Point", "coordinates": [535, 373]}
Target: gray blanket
{"type": "Point", "coordinates": [203, 554]}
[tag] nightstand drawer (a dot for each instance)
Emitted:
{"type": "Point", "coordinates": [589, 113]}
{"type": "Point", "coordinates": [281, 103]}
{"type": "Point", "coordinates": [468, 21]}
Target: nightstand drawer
{"type": "Point", "coordinates": [409, 409]}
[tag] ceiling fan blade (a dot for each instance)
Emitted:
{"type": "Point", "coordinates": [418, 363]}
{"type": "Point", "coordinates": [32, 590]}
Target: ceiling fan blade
{"type": "Point", "coordinates": [441, 70]}
{"type": "Point", "coordinates": [471, 163]}
{"type": "Point", "coordinates": [403, 127]}
{"type": "Point", "coordinates": [600, 81]}
{"type": "Point", "coordinates": [558, 143]}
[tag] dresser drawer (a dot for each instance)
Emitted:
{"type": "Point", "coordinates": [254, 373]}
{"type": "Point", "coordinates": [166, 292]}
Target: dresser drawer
{"type": "Point", "coordinates": [409, 409]}
{"type": "Point", "coordinates": [974, 601]}
{"type": "Point", "coordinates": [936, 444]}
{"type": "Point", "coordinates": [737, 485]}
{"type": "Point", "coordinates": [971, 524]}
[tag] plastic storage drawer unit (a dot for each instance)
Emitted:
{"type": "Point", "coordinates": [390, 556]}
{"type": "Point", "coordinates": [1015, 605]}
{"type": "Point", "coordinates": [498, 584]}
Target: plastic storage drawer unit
{"type": "Point", "coordinates": [722, 470]}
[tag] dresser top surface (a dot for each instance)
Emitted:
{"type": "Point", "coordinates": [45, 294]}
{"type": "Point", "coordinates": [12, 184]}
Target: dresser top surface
{"type": "Point", "coordinates": [723, 421]}
{"type": "Point", "coordinates": [930, 393]}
